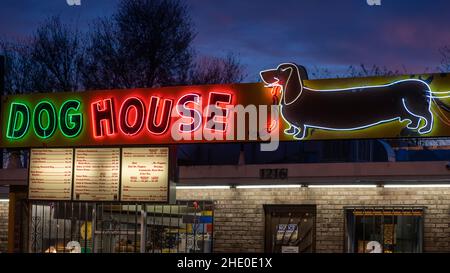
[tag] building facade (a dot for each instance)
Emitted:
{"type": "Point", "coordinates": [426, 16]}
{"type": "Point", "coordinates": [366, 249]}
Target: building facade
{"type": "Point", "coordinates": [323, 207]}
{"type": "Point", "coordinates": [4, 209]}
{"type": "Point", "coordinates": [335, 191]}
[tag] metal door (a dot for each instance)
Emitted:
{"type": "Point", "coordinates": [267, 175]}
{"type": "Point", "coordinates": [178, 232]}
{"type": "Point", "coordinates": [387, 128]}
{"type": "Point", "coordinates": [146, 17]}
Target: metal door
{"type": "Point", "coordinates": [290, 228]}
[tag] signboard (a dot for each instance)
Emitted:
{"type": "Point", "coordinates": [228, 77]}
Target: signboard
{"type": "Point", "coordinates": [288, 232]}
{"type": "Point", "coordinates": [145, 174]}
{"type": "Point", "coordinates": [99, 174]}
{"type": "Point", "coordinates": [383, 107]}
{"type": "Point", "coordinates": [120, 117]}
{"type": "Point", "coordinates": [289, 249]}
{"type": "Point", "coordinates": [50, 175]}
{"type": "Point", "coordinates": [286, 106]}
{"type": "Point", "coordinates": [96, 174]}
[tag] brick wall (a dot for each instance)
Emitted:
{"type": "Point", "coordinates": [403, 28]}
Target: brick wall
{"type": "Point", "coordinates": [239, 214]}
{"type": "Point", "coordinates": [4, 226]}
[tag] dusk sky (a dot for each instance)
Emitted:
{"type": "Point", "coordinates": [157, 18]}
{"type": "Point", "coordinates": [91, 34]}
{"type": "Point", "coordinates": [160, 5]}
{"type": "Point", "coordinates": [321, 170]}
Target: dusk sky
{"type": "Point", "coordinates": [329, 34]}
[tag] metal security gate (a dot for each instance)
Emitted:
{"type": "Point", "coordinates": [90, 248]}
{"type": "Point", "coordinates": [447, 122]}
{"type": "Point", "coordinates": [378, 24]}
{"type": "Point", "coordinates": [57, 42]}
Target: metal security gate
{"type": "Point", "coordinates": [374, 229]}
{"type": "Point", "coordinates": [89, 227]}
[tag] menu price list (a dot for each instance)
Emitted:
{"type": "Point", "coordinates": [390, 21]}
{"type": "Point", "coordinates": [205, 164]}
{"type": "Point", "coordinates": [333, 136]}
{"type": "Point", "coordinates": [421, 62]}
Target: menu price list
{"type": "Point", "coordinates": [145, 174]}
{"type": "Point", "coordinates": [96, 174]}
{"type": "Point", "coordinates": [50, 174]}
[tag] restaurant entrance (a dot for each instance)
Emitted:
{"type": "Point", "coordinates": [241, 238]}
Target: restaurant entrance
{"type": "Point", "coordinates": [290, 228]}
{"type": "Point", "coordinates": [103, 227]}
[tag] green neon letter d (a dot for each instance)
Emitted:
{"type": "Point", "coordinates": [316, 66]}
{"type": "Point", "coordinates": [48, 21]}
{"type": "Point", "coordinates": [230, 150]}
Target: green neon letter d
{"type": "Point", "coordinates": [18, 121]}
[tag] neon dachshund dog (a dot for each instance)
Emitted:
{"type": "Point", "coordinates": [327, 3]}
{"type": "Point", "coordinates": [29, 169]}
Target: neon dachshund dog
{"type": "Point", "coordinates": [351, 108]}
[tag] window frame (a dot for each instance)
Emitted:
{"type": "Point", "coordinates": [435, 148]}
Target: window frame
{"type": "Point", "coordinates": [348, 238]}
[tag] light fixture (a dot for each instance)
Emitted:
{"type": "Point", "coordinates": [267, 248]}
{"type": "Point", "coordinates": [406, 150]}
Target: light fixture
{"type": "Point", "coordinates": [417, 186]}
{"type": "Point", "coordinates": [267, 186]}
{"type": "Point", "coordinates": [202, 187]}
{"type": "Point", "coordinates": [342, 186]}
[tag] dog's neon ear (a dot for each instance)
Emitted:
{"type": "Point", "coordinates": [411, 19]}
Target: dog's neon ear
{"type": "Point", "coordinates": [294, 87]}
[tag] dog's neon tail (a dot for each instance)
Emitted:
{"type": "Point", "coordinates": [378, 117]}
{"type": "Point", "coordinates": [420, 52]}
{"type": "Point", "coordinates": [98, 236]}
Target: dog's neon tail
{"type": "Point", "coordinates": [439, 97]}
{"type": "Point", "coordinates": [439, 92]}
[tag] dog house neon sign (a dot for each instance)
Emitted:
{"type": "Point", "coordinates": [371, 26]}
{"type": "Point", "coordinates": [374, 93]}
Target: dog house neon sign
{"type": "Point", "coordinates": [358, 108]}
{"type": "Point", "coordinates": [110, 116]}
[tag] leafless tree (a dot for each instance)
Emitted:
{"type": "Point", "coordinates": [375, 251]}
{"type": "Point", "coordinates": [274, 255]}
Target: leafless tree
{"type": "Point", "coordinates": [18, 68]}
{"type": "Point", "coordinates": [373, 71]}
{"type": "Point", "coordinates": [49, 61]}
{"type": "Point", "coordinates": [445, 59]}
{"type": "Point", "coordinates": [356, 71]}
{"type": "Point", "coordinates": [145, 43]}
{"type": "Point", "coordinates": [214, 70]}
{"type": "Point", "coordinates": [56, 51]}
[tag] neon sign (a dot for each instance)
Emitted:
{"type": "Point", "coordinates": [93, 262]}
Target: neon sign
{"type": "Point", "coordinates": [45, 119]}
{"type": "Point", "coordinates": [113, 117]}
{"type": "Point", "coordinates": [358, 108]}
{"type": "Point", "coordinates": [353, 108]}
{"type": "Point", "coordinates": [133, 113]}
{"type": "Point", "coordinates": [18, 121]}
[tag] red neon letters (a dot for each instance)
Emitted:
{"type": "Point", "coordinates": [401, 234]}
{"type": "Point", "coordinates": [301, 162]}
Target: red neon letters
{"type": "Point", "coordinates": [130, 125]}
{"type": "Point", "coordinates": [103, 117]}
{"type": "Point", "coordinates": [191, 113]}
{"type": "Point", "coordinates": [217, 121]}
{"type": "Point", "coordinates": [159, 126]}
{"type": "Point", "coordinates": [158, 113]}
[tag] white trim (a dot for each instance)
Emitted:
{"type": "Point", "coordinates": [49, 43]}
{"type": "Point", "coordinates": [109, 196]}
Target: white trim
{"type": "Point", "coordinates": [4, 200]}
{"type": "Point", "coordinates": [202, 187]}
{"type": "Point", "coordinates": [342, 186]}
{"type": "Point", "coordinates": [309, 186]}
{"type": "Point", "coordinates": [267, 186]}
{"type": "Point", "coordinates": [417, 186]}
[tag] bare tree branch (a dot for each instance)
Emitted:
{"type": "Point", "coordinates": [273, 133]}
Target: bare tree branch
{"type": "Point", "coordinates": [144, 44]}
{"type": "Point", "coordinates": [213, 70]}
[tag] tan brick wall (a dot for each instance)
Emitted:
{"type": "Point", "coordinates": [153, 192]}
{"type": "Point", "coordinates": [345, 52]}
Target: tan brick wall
{"type": "Point", "coordinates": [3, 226]}
{"type": "Point", "coordinates": [239, 214]}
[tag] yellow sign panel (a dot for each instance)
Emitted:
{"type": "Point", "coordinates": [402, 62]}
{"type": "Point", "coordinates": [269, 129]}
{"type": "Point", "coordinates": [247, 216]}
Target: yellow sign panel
{"type": "Point", "coordinates": [96, 174]}
{"type": "Point", "coordinates": [50, 174]}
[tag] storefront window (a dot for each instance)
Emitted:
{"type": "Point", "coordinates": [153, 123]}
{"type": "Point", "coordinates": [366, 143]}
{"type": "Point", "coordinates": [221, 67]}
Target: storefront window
{"type": "Point", "coordinates": [88, 227]}
{"type": "Point", "coordinates": [384, 230]}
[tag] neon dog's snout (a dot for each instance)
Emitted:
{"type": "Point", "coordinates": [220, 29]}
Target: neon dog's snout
{"type": "Point", "coordinates": [269, 76]}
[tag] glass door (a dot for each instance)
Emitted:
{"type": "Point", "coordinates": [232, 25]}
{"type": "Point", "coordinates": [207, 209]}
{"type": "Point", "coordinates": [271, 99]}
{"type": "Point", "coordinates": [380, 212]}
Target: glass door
{"type": "Point", "coordinates": [290, 228]}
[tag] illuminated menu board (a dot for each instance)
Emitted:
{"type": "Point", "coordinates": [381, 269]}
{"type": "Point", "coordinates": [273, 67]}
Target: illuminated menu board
{"type": "Point", "coordinates": [96, 174]}
{"type": "Point", "coordinates": [145, 174]}
{"type": "Point", "coordinates": [50, 174]}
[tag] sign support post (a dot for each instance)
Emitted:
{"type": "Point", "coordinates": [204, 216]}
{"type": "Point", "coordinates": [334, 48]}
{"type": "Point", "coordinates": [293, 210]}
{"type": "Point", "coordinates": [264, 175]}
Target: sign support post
{"type": "Point", "coordinates": [2, 92]}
